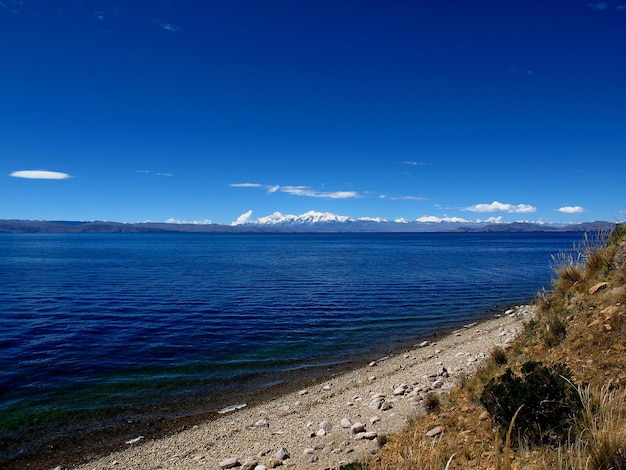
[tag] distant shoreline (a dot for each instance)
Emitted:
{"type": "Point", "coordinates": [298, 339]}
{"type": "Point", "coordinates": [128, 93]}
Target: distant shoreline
{"type": "Point", "coordinates": [43, 226]}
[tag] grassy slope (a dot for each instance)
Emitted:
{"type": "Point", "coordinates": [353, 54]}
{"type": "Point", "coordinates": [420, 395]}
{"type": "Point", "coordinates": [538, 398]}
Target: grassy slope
{"type": "Point", "coordinates": [581, 323]}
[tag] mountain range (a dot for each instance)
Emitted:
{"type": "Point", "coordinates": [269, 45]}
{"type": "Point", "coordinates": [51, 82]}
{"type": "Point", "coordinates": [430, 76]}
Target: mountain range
{"type": "Point", "coordinates": [308, 222]}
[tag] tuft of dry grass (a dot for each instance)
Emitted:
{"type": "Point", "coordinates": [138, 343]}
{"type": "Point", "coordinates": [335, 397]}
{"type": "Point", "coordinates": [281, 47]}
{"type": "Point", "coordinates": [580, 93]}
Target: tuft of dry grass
{"type": "Point", "coordinates": [586, 331]}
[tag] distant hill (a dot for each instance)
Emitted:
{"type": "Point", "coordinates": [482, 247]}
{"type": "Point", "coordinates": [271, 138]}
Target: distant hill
{"type": "Point", "coordinates": [290, 224]}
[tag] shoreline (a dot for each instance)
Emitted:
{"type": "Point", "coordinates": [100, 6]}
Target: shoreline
{"type": "Point", "coordinates": [315, 426]}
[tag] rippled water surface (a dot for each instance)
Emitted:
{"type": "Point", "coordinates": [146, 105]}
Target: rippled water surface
{"type": "Point", "coordinates": [96, 329]}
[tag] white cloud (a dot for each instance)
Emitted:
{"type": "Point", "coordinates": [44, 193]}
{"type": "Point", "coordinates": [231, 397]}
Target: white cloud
{"type": "Point", "coordinates": [172, 220]}
{"type": "Point", "coordinates": [243, 218]}
{"type": "Point", "coordinates": [148, 172]}
{"type": "Point", "coordinates": [413, 163]}
{"type": "Point", "coordinates": [304, 191]}
{"type": "Point", "coordinates": [496, 206]}
{"type": "Point", "coordinates": [434, 219]}
{"type": "Point", "coordinates": [571, 209]}
{"type": "Point", "coordinates": [40, 175]}
{"type": "Point", "coordinates": [245, 185]}
{"type": "Point", "coordinates": [308, 192]}
{"type": "Point", "coordinates": [402, 198]}
{"type": "Point", "coordinates": [167, 26]}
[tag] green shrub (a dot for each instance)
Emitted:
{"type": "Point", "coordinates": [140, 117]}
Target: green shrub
{"type": "Point", "coordinates": [355, 466]}
{"type": "Point", "coordinates": [548, 398]}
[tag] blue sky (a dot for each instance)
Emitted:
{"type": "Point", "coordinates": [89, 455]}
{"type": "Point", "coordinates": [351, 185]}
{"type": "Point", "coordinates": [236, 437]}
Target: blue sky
{"type": "Point", "coordinates": [204, 111]}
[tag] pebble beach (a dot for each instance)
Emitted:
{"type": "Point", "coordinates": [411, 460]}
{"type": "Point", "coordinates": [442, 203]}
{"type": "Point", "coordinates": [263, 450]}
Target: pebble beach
{"type": "Point", "coordinates": [340, 420]}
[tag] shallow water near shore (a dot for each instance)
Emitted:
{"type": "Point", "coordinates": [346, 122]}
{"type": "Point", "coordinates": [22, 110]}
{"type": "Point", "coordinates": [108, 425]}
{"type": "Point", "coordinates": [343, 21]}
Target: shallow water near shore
{"type": "Point", "coordinates": [103, 331]}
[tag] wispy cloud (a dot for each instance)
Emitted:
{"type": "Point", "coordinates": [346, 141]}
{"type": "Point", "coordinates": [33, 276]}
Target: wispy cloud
{"type": "Point", "coordinates": [598, 6]}
{"type": "Point", "coordinates": [435, 219]}
{"type": "Point", "coordinates": [496, 206]}
{"type": "Point", "coordinates": [304, 191]}
{"type": "Point", "coordinates": [246, 185]}
{"type": "Point", "coordinates": [402, 198]}
{"type": "Point", "coordinates": [40, 175]}
{"type": "Point", "coordinates": [172, 220]}
{"type": "Point", "coordinates": [571, 209]}
{"type": "Point", "coordinates": [148, 172]}
{"type": "Point", "coordinates": [414, 163]}
{"type": "Point", "coordinates": [167, 26]}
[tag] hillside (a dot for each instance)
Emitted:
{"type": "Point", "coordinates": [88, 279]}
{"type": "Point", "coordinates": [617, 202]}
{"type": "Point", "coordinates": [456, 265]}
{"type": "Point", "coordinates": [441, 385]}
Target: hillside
{"type": "Point", "coordinates": [311, 222]}
{"type": "Point", "coordinates": [581, 324]}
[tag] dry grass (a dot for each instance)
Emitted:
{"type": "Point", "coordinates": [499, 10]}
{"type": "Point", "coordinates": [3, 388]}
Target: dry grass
{"type": "Point", "coordinates": [576, 325]}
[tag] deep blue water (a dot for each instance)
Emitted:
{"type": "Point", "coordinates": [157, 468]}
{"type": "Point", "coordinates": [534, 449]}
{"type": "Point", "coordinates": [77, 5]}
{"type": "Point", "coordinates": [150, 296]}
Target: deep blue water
{"type": "Point", "coordinates": [106, 327]}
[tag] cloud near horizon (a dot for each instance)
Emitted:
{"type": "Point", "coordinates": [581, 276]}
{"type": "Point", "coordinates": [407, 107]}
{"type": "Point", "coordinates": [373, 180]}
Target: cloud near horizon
{"type": "Point", "coordinates": [172, 220]}
{"type": "Point", "coordinates": [305, 191]}
{"type": "Point", "coordinates": [243, 218]}
{"type": "Point", "coordinates": [571, 209]}
{"type": "Point", "coordinates": [496, 206]}
{"type": "Point", "coordinates": [40, 175]}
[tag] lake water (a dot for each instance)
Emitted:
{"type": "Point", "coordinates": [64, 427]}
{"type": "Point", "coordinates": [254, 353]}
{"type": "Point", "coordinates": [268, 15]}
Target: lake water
{"type": "Point", "coordinates": [100, 330]}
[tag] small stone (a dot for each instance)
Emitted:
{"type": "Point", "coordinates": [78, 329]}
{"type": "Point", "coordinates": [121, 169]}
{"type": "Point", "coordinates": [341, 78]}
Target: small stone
{"type": "Point", "coordinates": [320, 433]}
{"type": "Point", "coordinates": [326, 388]}
{"type": "Point", "coordinates": [326, 426]}
{"type": "Point", "coordinates": [400, 390]}
{"type": "Point", "coordinates": [434, 432]}
{"type": "Point", "coordinates": [262, 423]}
{"type": "Point", "coordinates": [284, 408]}
{"type": "Point", "coordinates": [374, 419]}
{"type": "Point", "coordinates": [376, 404]}
{"type": "Point", "coordinates": [308, 451]}
{"type": "Point", "coordinates": [260, 467]}
{"type": "Point", "coordinates": [437, 384]}
{"type": "Point", "coordinates": [313, 459]}
{"type": "Point", "coordinates": [273, 463]}
{"type": "Point", "coordinates": [345, 423]}
{"type": "Point", "coordinates": [423, 344]}
{"type": "Point", "coordinates": [230, 463]}
{"type": "Point", "coordinates": [373, 364]}
{"type": "Point", "coordinates": [249, 464]}
{"type": "Point", "coordinates": [370, 435]}
{"type": "Point", "coordinates": [357, 428]}
{"type": "Point", "coordinates": [303, 392]}
{"type": "Point", "coordinates": [282, 454]}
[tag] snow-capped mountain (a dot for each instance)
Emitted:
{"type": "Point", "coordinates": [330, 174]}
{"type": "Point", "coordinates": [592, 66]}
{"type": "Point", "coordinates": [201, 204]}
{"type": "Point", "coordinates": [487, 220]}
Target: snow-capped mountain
{"type": "Point", "coordinates": [314, 220]}
{"type": "Point", "coordinates": [311, 217]}
{"type": "Point", "coordinates": [327, 221]}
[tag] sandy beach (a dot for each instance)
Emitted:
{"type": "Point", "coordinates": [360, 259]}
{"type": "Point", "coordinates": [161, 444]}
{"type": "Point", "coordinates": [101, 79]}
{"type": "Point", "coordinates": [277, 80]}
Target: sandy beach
{"type": "Point", "coordinates": [337, 421]}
